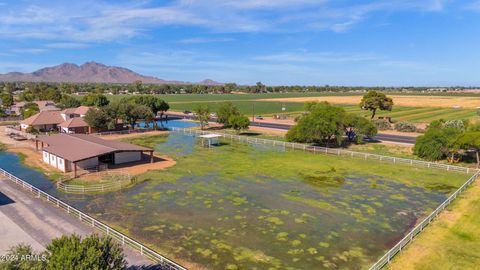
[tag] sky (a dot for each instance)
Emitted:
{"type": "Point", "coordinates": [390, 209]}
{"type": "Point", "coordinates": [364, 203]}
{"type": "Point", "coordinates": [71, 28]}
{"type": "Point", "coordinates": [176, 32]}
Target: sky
{"type": "Point", "coordinates": [277, 42]}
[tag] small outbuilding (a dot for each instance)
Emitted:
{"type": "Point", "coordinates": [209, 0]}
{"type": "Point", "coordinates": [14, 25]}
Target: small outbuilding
{"type": "Point", "coordinates": [210, 139]}
{"type": "Point", "coordinates": [67, 152]}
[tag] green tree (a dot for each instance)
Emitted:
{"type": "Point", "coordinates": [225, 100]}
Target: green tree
{"type": "Point", "coordinates": [225, 111]}
{"type": "Point", "coordinates": [238, 122]}
{"type": "Point", "coordinates": [322, 125]}
{"type": "Point", "coordinates": [92, 252]}
{"type": "Point", "coordinates": [7, 100]}
{"type": "Point", "coordinates": [97, 100]}
{"type": "Point", "coordinates": [358, 128]}
{"type": "Point", "coordinates": [131, 113]}
{"type": "Point", "coordinates": [29, 109]}
{"type": "Point", "coordinates": [374, 101]}
{"type": "Point", "coordinates": [202, 115]}
{"type": "Point", "coordinates": [23, 250]}
{"type": "Point", "coordinates": [68, 101]}
{"type": "Point", "coordinates": [51, 94]}
{"type": "Point", "coordinates": [97, 119]}
{"type": "Point", "coordinates": [469, 141]}
{"type": "Point", "coordinates": [435, 144]}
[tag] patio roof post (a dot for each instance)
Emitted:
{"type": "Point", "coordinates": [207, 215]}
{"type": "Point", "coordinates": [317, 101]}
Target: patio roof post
{"type": "Point", "coordinates": [36, 145]}
{"type": "Point", "coordinates": [74, 170]}
{"type": "Point", "coordinates": [151, 156]}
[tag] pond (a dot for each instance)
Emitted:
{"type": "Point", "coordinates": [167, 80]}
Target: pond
{"type": "Point", "coordinates": [170, 123]}
{"type": "Point", "coordinates": [240, 206]}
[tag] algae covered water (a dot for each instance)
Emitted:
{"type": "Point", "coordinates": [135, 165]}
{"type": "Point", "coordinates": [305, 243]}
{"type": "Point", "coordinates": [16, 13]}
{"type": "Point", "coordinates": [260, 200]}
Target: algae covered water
{"type": "Point", "coordinates": [237, 206]}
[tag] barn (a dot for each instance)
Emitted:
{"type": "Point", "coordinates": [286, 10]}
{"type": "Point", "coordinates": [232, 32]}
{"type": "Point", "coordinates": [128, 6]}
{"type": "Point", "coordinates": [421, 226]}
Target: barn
{"type": "Point", "coordinates": [70, 152]}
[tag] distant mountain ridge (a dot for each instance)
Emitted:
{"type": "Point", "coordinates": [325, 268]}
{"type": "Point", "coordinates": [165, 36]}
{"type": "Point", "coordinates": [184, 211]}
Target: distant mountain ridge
{"type": "Point", "coordinates": [89, 72]}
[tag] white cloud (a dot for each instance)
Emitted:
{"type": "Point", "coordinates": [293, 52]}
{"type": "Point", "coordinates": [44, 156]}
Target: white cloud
{"type": "Point", "coordinates": [29, 50]}
{"type": "Point", "coordinates": [196, 40]}
{"type": "Point", "coordinates": [67, 45]}
{"type": "Point", "coordinates": [96, 21]}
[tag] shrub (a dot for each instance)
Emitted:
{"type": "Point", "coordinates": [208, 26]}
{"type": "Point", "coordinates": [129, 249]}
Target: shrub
{"type": "Point", "coordinates": [432, 145]}
{"type": "Point", "coordinates": [405, 127]}
{"type": "Point", "coordinates": [31, 130]}
{"type": "Point", "coordinates": [455, 124]}
{"type": "Point", "coordinates": [382, 124]}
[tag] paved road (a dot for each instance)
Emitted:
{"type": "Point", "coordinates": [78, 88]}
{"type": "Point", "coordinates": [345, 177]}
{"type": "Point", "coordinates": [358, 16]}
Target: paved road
{"type": "Point", "coordinates": [379, 137]}
{"type": "Point", "coordinates": [42, 222]}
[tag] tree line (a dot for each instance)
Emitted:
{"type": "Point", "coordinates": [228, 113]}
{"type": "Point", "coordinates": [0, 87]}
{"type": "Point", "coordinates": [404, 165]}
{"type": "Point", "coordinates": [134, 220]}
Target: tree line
{"type": "Point", "coordinates": [52, 91]}
{"type": "Point", "coordinates": [128, 110]}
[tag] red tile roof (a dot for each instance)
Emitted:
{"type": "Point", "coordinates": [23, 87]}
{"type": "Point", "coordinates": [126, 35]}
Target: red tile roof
{"type": "Point", "coordinates": [44, 118]}
{"type": "Point", "coordinates": [74, 122]}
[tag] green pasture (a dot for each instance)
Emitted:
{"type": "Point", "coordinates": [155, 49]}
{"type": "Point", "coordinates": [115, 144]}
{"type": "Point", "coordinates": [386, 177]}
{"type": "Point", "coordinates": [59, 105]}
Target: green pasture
{"type": "Point", "coordinates": [239, 206]}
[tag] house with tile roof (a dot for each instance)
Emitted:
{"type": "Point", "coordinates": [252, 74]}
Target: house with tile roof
{"type": "Point", "coordinates": [67, 121]}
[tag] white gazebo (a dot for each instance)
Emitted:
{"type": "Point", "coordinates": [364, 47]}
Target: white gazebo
{"type": "Point", "coordinates": [210, 139]}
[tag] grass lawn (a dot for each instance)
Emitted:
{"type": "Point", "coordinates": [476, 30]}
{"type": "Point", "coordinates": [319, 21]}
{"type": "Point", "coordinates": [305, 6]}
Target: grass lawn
{"type": "Point", "coordinates": [450, 242]}
{"type": "Point", "coordinates": [239, 206]}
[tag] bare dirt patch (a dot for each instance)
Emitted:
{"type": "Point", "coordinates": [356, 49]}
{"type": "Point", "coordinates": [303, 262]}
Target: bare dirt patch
{"type": "Point", "coordinates": [406, 101]}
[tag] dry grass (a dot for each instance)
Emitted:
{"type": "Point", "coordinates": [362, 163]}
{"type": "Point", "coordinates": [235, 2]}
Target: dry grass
{"type": "Point", "coordinates": [406, 101]}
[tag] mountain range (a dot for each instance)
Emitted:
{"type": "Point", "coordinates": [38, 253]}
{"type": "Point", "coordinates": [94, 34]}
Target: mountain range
{"type": "Point", "coordinates": [90, 72]}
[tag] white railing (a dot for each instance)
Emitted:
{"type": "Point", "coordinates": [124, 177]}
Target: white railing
{"type": "Point", "coordinates": [419, 228]}
{"type": "Point", "coordinates": [326, 150]}
{"type": "Point", "coordinates": [415, 231]}
{"type": "Point", "coordinates": [125, 180]}
{"type": "Point", "coordinates": [118, 236]}
{"type": "Point", "coordinates": [127, 131]}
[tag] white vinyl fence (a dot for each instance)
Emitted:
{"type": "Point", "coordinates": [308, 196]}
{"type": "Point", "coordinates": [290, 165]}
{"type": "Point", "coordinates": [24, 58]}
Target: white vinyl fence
{"type": "Point", "coordinates": [385, 259]}
{"type": "Point", "coordinates": [419, 228]}
{"type": "Point", "coordinates": [326, 150]}
{"type": "Point", "coordinates": [123, 179]}
{"type": "Point", "coordinates": [121, 238]}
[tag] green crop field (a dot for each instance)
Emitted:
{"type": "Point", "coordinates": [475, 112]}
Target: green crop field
{"type": "Point", "coordinates": [248, 104]}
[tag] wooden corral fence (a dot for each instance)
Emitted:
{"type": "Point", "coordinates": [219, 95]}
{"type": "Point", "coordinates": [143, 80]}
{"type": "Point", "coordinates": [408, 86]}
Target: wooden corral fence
{"type": "Point", "coordinates": [148, 253]}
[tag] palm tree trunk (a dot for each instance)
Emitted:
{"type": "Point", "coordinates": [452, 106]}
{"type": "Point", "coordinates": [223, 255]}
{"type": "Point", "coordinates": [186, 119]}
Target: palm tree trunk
{"type": "Point", "coordinates": [373, 113]}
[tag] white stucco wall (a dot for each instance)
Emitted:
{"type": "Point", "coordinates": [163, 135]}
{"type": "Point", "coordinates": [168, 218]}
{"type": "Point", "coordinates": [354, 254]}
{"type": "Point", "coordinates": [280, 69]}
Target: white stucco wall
{"type": "Point", "coordinates": [124, 157]}
{"type": "Point", "coordinates": [54, 161]}
{"type": "Point", "coordinates": [46, 157]}
{"type": "Point", "coordinates": [88, 163]}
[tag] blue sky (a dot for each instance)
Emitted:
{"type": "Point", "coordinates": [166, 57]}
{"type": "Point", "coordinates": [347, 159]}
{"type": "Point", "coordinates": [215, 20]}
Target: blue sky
{"type": "Point", "coordinates": [278, 42]}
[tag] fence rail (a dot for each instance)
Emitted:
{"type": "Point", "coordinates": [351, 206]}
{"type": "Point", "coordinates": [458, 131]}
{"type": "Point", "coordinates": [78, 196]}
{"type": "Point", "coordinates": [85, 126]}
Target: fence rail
{"type": "Point", "coordinates": [118, 236]}
{"type": "Point", "coordinates": [383, 261]}
{"type": "Point", "coordinates": [77, 188]}
{"type": "Point", "coordinates": [333, 151]}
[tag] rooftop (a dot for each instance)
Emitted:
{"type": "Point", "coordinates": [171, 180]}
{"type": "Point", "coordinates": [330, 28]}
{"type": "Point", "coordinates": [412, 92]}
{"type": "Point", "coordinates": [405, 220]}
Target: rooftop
{"type": "Point", "coordinates": [44, 118]}
{"type": "Point", "coordinates": [74, 122]}
{"type": "Point", "coordinates": [77, 147]}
